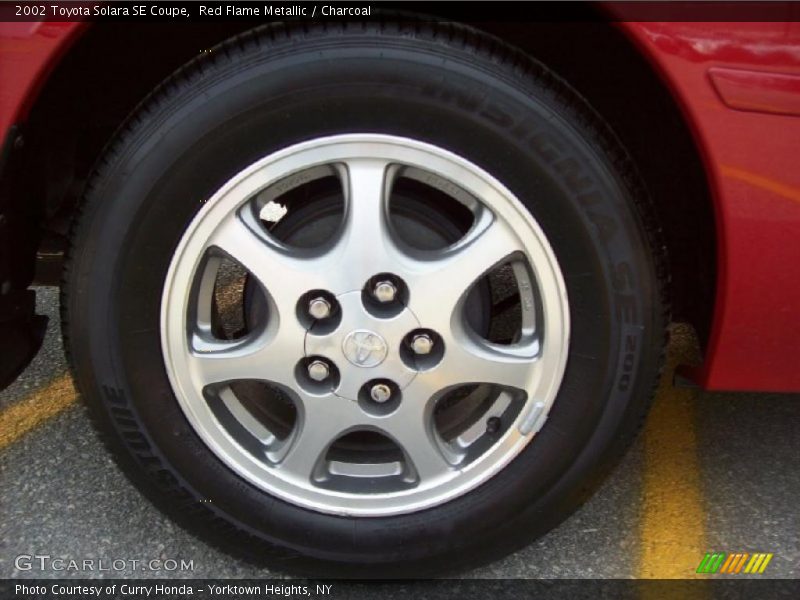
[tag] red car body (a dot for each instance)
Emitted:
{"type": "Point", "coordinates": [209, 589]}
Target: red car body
{"type": "Point", "coordinates": [738, 87]}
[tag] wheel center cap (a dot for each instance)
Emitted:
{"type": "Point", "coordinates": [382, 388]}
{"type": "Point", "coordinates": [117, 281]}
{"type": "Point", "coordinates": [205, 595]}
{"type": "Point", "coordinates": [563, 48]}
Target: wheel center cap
{"type": "Point", "coordinates": [364, 348]}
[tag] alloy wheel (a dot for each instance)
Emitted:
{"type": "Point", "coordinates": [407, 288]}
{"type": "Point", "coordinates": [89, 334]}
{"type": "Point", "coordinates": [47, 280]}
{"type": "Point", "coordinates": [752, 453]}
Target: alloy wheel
{"type": "Point", "coordinates": [364, 333]}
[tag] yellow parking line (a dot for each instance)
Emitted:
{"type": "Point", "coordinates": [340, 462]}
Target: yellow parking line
{"type": "Point", "coordinates": [27, 414]}
{"type": "Point", "coordinates": [672, 527]}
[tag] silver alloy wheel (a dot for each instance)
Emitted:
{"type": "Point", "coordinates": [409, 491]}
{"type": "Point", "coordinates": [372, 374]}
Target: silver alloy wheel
{"type": "Point", "coordinates": [365, 347]}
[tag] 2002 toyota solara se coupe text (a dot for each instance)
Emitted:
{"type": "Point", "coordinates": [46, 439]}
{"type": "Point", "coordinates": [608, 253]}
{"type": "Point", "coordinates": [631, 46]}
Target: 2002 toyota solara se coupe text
{"type": "Point", "coordinates": [395, 294]}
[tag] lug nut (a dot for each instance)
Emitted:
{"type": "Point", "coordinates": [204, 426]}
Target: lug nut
{"type": "Point", "coordinates": [319, 308]}
{"type": "Point", "coordinates": [318, 370]}
{"type": "Point", "coordinates": [385, 291]}
{"type": "Point", "coordinates": [380, 392]}
{"type": "Point", "coordinates": [422, 344]}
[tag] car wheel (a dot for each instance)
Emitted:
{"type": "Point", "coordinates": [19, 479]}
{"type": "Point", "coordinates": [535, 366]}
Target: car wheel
{"type": "Point", "coordinates": [366, 296]}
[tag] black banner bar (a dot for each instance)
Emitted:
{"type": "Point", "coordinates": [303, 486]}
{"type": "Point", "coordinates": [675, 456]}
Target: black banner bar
{"type": "Point", "coordinates": [500, 589]}
{"type": "Point", "coordinates": [264, 11]}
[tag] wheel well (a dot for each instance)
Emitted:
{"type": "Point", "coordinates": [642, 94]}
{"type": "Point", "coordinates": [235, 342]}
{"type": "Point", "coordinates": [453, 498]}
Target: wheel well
{"type": "Point", "coordinates": [114, 66]}
{"type": "Point", "coordinates": [604, 66]}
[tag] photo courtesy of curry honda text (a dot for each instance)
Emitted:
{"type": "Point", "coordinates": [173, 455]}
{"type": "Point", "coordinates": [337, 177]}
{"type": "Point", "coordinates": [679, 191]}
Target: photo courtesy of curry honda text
{"type": "Point", "coordinates": [392, 296]}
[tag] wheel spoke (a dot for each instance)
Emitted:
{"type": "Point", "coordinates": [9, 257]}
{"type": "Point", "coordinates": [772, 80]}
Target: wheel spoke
{"type": "Point", "coordinates": [366, 245]}
{"type": "Point", "coordinates": [271, 444]}
{"type": "Point", "coordinates": [476, 361]}
{"type": "Point", "coordinates": [490, 363]}
{"type": "Point", "coordinates": [411, 427]}
{"type": "Point", "coordinates": [321, 422]}
{"type": "Point", "coordinates": [446, 281]}
{"type": "Point", "coordinates": [284, 275]}
{"type": "Point", "coordinates": [260, 359]}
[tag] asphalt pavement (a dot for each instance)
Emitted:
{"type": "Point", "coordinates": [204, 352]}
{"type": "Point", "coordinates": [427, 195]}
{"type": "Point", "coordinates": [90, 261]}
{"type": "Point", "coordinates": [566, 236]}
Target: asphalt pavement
{"type": "Point", "coordinates": [711, 472]}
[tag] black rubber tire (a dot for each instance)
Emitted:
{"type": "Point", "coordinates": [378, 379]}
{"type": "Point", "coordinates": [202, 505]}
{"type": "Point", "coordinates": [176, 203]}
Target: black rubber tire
{"type": "Point", "coordinates": [443, 84]}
